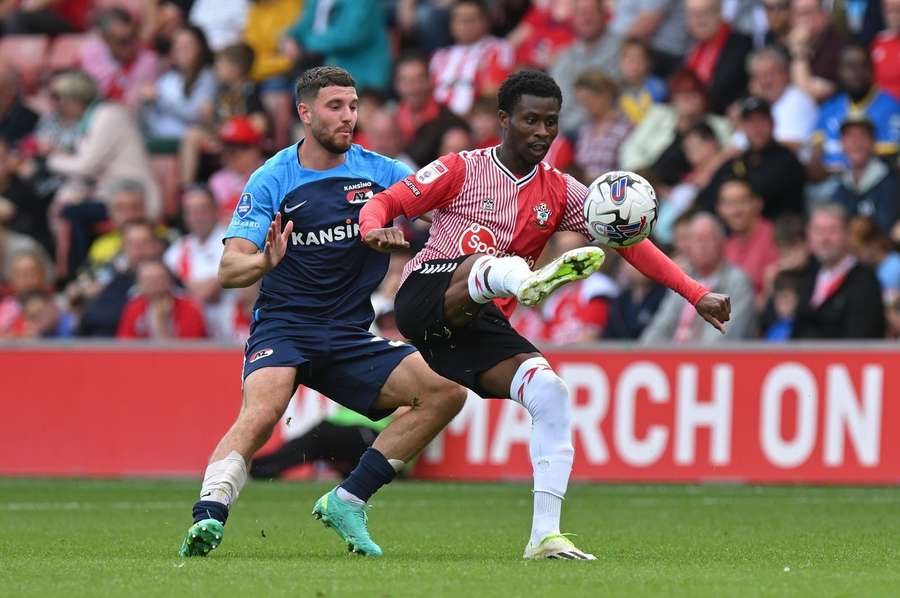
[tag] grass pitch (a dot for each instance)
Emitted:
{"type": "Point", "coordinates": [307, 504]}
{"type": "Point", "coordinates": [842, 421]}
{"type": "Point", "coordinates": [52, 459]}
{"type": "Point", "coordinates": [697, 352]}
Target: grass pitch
{"type": "Point", "coordinates": [118, 538]}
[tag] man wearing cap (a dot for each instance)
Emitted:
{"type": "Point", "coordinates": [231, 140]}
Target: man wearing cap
{"type": "Point", "coordinates": [241, 155]}
{"type": "Point", "coordinates": [867, 186]}
{"type": "Point", "coordinates": [773, 171]}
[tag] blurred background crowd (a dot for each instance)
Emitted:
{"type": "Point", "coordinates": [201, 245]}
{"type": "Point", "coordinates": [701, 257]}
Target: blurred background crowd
{"type": "Point", "coordinates": [770, 129]}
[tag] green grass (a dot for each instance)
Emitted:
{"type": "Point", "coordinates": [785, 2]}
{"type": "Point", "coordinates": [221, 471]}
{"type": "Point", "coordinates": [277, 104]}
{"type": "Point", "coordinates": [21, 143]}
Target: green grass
{"type": "Point", "coordinates": [89, 538]}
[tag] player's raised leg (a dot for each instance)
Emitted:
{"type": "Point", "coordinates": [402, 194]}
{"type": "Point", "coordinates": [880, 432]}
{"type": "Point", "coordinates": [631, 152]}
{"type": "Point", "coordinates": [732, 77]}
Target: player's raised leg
{"type": "Point", "coordinates": [266, 393]}
{"type": "Point", "coordinates": [434, 401]}
{"type": "Point", "coordinates": [483, 278]}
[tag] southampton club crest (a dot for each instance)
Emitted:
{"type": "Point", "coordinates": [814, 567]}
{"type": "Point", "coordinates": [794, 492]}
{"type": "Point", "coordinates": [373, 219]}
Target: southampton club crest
{"type": "Point", "coordinates": [541, 214]}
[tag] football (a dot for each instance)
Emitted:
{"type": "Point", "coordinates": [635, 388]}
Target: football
{"type": "Point", "coordinates": [620, 208]}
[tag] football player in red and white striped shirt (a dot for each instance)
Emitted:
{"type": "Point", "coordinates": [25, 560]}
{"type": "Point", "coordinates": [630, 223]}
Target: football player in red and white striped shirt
{"type": "Point", "coordinates": [493, 211]}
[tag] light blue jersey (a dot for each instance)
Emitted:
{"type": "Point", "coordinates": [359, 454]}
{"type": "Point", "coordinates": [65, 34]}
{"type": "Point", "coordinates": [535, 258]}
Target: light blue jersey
{"type": "Point", "coordinates": [327, 273]}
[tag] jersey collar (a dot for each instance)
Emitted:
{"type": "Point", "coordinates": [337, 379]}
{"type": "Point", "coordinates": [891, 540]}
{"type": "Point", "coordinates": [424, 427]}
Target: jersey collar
{"type": "Point", "coordinates": [518, 181]}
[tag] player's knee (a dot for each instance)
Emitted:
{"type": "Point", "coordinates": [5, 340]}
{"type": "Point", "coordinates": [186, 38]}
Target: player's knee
{"type": "Point", "coordinates": [446, 398]}
{"type": "Point", "coordinates": [549, 399]}
{"type": "Point", "coordinates": [260, 419]}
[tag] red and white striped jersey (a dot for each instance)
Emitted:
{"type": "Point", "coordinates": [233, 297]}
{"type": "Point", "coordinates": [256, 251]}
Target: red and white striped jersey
{"type": "Point", "coordinates": [481, 207]}
{"type": "Point", "coordinates": [460, 73]}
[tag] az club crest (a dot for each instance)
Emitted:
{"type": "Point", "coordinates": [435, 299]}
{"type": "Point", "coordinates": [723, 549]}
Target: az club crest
{"type": "Point", "coordinates": [542, 214]}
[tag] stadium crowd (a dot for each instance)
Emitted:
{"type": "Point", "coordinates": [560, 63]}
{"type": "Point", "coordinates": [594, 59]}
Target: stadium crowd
{"type": "Point", "coordinates": [769, 128]}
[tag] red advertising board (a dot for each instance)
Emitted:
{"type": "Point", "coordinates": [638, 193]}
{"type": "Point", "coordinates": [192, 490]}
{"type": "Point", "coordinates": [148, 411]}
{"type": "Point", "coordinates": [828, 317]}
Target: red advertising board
{"type": "Point", "coordinates": [743, 414]}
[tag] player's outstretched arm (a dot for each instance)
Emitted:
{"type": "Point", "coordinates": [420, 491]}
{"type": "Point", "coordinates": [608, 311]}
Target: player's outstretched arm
{"type": "Point", "coordinates": [243, 263]}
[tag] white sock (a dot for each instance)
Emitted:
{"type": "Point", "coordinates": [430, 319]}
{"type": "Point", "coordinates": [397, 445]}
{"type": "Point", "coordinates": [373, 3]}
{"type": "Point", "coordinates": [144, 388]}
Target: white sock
{"type": "Point", "coordinates": [224, 479]}
{"type": "Point", "coordinates": [547, 399]}
{"type": "Point", "coordinates": [547, 509]}
{"type": "Point", "coordinates": [493, 277]}
{"type": "Point", "coordinates": [349, 497]}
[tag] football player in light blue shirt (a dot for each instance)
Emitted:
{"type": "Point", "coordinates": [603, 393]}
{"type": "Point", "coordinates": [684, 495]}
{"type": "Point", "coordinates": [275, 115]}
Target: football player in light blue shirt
{"type": "Point", "coordinates": [311, 321]}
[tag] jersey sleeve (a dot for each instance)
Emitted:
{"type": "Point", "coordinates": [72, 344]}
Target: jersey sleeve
{"type": "Point", "coordinates": [393, 171]}
{"type": "Point", "coordinates": [255, 209]}
{"type": "Point", "coordinates": [573, 215]}
{"type": "Point", "coordinates": [431, 188]}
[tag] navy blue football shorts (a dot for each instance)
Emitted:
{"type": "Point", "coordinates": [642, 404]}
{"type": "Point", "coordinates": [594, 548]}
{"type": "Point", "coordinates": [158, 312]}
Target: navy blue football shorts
{"type": "Point", "coordinates": [347, 364]}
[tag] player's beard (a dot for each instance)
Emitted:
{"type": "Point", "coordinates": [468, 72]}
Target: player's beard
{"type": "Point", "coordinates": [330, 141]}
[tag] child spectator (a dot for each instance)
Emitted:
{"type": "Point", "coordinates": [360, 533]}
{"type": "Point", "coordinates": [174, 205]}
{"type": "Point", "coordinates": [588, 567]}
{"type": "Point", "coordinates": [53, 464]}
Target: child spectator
{"type": "Point", "coordinates": [42, 317]}
{"type": "Point", "coordinates": [176, 101]}
{"type": "Point", "coordinates": [785, 299]}
{"type": "Point", "coordinates": [640, 88]}
{"type": "Point", "coordinates": [237, 95]}
{"type": "Point", "coordinates": [157, 312]}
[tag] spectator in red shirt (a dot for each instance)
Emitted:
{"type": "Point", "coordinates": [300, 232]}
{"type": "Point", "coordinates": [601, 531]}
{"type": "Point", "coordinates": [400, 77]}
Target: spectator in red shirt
{"type": "Point", "coordinates": [157, 312]}
{"type": "Point", "coordinates": [886, 51]}
{"type": "Point", "coordinates": [544, 31]}
{"type": "Point", "coordinates": [751, 239]}
{"type": "Point", "coordinates": [421, 119]}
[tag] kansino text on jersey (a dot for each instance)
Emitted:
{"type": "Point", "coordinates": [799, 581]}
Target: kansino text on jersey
{"type": "Point", "coordinates": [328, 235]}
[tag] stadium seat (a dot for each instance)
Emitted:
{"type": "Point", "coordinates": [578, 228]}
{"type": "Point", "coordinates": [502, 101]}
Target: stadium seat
{"type": "Point", "coordinates": [165, 171]}
{"type": "Point", "coordinates": [27, 54]}
{"type": "Point", "coordinates": [65, 51]}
